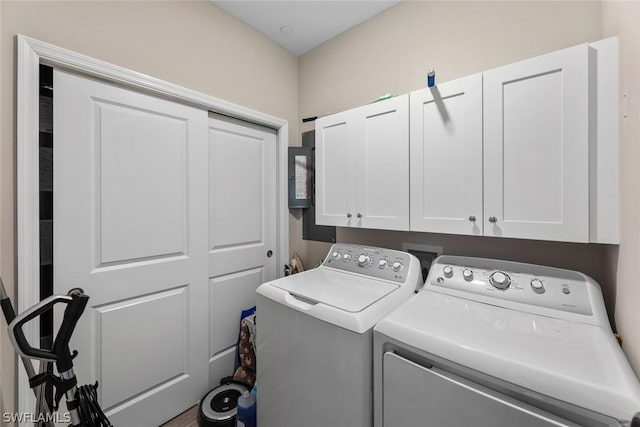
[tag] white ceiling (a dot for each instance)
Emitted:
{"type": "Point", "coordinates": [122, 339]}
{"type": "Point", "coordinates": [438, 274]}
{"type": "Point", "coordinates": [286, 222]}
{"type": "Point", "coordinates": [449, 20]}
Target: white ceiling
{"type": "Point", "coordinates": [312, 22]}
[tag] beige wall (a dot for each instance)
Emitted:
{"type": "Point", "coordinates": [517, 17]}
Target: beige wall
{"type": "Point", "coordinates": [623, 19]}
{"type": "Point", "coordinates": [392, 51]}
{"type": "Point", "coordinates": [191, 43]}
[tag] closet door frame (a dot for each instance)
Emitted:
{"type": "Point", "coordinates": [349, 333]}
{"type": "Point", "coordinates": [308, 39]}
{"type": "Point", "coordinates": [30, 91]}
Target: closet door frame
{"type": "Point", "coordinates": [32, 53]}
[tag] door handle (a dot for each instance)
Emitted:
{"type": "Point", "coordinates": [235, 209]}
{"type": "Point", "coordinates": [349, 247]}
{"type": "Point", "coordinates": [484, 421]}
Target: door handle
{"type": "Point", "coordinates": [269, 254]}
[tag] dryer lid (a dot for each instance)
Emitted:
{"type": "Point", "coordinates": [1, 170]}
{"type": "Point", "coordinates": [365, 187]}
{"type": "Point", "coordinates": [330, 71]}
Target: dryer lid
{"type": "Point", "coordinates": [344, 291]}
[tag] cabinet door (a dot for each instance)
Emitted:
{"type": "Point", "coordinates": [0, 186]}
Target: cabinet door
{"type": "Point", "coordinates": [446, 157]}
{"type": "Point", "coordinates": [382, 164]}
{"type": "Point", "coordinates": [536, 142]}
{"type": "Point", "coordinates": [335, 170]}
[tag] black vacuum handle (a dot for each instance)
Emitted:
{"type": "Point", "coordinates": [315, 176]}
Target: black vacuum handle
{"type": "Point", "coordinates": [71, 316]}
{"type": "Point", "coordinates": [17, 334]}
{"type": "Point", "coordinates": [76, 304]}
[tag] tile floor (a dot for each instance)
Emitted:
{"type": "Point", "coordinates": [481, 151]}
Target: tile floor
{"type": "Point", "coordinates": [188, 418]}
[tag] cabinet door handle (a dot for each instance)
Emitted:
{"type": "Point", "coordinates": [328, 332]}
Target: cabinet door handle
{"type": "Point", "coordinates": [348, 215]}
{"type": "Point", "coordinates": [359, 215]}
{"type": "Point", "coordinates": [472, 218]}
{"type": "Point", "coordinates": [493, 219]}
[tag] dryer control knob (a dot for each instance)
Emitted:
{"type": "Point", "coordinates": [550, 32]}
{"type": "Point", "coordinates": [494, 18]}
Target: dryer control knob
{"type": "Point", "coordinates": [537, 286]}
{"type": "Point", "coordinates": [335, 255]}
{"type": "Point", "coordinates": [382, 264]}
{"type": "Point", "coordinates": [363, 260]}
{"type": "Point", "coordinates": [397, 266]}
{"type": "Point", "coordinates": [346, 257]}
{"type": "Point", "coordinates": [468, 275]}
{"type": "Point", "coordinates": [448, 271]}
{"type": "Point", "coordinates": [499, 280]}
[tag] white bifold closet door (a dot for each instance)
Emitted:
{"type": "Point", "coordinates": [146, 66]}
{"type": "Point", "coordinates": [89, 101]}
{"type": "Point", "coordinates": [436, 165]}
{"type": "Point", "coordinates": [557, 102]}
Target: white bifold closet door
{"type": "Point", "coordinates": [131, 215]}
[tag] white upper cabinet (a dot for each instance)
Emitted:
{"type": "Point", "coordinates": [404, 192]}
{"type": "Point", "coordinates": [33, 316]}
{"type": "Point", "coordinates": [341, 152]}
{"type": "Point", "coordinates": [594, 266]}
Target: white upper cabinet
{"type": "Point", "coordinates": [382, 163]}
{"type": "Point", "coordinates": [446, 157]}
{"type": "Point", "coordinates": [362, 166]}
{"type": "Point", "coordinates": [335, 171]}
{"type": "Point", "coordinates": [536, 148]}
{"type": "Point", "coordinates": [528, 150]}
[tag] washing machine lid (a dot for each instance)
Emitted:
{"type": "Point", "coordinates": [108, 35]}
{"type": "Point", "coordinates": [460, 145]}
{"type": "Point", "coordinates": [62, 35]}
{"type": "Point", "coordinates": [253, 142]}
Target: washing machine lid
{"type": "Point", "coordinates": [344, 291]}
{"type": "Point", "coordinates": [569, 361]}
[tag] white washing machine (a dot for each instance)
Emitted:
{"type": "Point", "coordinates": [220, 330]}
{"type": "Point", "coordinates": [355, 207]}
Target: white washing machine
{"type": "Point", "coordinates": [315, 336]}
{"type": "Point", "coordinates": [490, 343]}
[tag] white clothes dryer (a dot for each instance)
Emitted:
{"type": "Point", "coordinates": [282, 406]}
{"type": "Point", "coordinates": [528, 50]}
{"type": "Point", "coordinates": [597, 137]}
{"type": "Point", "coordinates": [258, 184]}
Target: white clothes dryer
{"type": "Point", "coordinates": [490, 343]}
{"type": "Point", "coordinates": [315, 336]}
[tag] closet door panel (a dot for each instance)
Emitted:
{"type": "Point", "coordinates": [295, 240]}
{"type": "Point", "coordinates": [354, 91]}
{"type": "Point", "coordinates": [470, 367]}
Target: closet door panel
{"type": "Point", "coordinates": [242, 228]}
{"type": "Point", "coordinates": [130, 220]}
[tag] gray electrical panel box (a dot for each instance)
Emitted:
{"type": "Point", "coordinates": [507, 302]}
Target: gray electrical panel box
{"type": "Point", "coordinates": [311, 231]}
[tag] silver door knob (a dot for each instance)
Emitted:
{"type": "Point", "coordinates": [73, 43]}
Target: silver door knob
{"type": "Point", "coordinates": [493, 219]}
{"type": "Point", "coordinates": [359, 215]}
{"type": "Point", "coordinates": [348, 215]}
{"type": "Point", "coordinates": [472, 218]}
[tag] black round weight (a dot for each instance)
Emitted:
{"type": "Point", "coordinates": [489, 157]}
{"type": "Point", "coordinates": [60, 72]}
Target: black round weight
{"type": "Point", "coordinates": [218, 408]}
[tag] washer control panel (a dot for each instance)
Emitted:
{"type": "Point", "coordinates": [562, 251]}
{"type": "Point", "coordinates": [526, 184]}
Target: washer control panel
{"type": "Point", "coordinates": [380, 263]}
{"type": "Point", "coordinates": [545, 287]}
